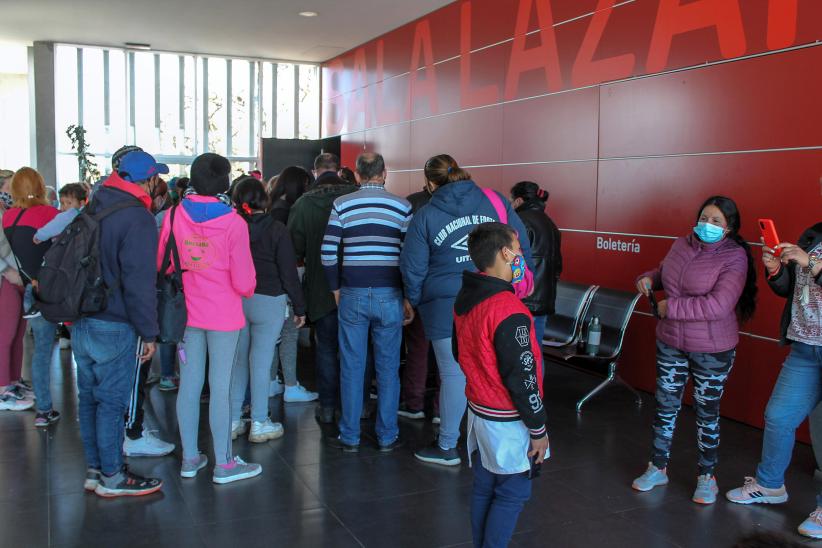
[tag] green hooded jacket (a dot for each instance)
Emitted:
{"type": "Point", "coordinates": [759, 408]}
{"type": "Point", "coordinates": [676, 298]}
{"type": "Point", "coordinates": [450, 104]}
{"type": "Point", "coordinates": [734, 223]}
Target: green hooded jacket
{"type": "Point", "coordinates": [307, 222]}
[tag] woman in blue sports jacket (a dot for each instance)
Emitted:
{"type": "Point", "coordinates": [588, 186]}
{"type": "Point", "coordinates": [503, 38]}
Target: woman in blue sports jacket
{"type": "Point", "coordinates": [434, 256]}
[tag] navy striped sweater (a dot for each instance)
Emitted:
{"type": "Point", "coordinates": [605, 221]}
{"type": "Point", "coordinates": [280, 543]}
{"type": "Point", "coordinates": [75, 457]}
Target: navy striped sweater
{"type": "Point", "coordinates": [366, 230]}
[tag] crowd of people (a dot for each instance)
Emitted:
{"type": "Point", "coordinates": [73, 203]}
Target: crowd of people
{"type": "Point", "coordinates": [455, 272]}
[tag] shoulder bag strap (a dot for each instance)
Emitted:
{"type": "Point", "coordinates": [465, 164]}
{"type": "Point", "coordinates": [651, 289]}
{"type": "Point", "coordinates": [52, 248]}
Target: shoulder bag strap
{"type": "Point", "coordinates": [496, 201]}
{"type": "Point", "coordinates": [171, 251]}
{"type": "Point", "coordinates": [13, 229]}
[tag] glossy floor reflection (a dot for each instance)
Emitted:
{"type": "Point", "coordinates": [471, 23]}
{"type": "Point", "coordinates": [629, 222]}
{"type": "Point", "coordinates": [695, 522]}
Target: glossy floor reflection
{"type": "Point", "coordinates": [310, 495]}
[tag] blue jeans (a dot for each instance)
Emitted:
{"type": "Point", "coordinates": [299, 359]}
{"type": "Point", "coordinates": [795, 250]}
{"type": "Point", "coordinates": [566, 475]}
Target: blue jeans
{"type": "Point", "coordinates": [377, 311]}
{"type": "Point", "coordinates": [107, 360]}
{"type": "Point", "coordinates": [539, 327]}
{"type": "Point", "coordinates": [44, 333]}
{"type": "Point", "coordinates": [496, 503]}
{"type": "Point", "coordinates": [167, 352]}
{"type": "Point", "coordinates": [795, 394]}
{"type": "Point", "coordinates": [327, 360]}
{"type": "Point", "coordinates": [452, 393]}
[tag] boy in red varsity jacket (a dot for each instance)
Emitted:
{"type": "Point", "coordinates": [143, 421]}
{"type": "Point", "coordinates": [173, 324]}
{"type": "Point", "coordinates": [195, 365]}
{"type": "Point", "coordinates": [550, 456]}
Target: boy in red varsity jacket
{"type": "Point", "coordinates": [495, 345]}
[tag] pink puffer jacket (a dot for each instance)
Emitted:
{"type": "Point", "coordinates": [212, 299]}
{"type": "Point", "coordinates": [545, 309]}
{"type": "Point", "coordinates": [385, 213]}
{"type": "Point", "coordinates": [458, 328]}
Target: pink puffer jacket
{"type": "Point", "coordinates": [702, 283]}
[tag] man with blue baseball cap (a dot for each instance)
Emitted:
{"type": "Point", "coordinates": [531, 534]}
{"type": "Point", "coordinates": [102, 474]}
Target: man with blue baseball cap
{"type": "Point", "coordinates": [111, 346]}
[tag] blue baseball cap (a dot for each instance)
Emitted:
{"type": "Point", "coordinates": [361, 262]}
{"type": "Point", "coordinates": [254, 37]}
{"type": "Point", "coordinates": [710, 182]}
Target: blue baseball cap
{"type": "Point", "coordinates": [138, 166]}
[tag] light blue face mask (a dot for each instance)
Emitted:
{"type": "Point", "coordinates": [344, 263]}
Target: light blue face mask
{"type": "Point", "coordinates": [709, 233]}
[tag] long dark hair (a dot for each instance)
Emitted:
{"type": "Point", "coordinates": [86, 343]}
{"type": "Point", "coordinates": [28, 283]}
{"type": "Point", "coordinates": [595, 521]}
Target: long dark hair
{"type": "Point", "coordinates": [291, 183]}
{"type": "Point", "coordinates": [746, 305]}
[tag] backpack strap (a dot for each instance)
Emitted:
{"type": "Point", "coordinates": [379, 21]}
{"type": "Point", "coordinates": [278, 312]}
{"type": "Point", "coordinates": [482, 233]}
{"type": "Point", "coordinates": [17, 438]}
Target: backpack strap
{"type": "Point", "coordinates": [99, 216]}
{"type": "Point", "coordinates": [114, 208]}
{"type": "Point", "coordinates": [496, 201]}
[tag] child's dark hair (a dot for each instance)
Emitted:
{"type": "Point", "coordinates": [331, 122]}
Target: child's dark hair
{"type": "Point", "coordinates": [486, 241]}
{"type": "Point", "coordinates": [249, 195]}
{"type": "Point", "coordinates": [74, 190]}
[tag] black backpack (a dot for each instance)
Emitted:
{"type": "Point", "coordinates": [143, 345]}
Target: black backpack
{"type": "Point", "coordinates": [70, 282]}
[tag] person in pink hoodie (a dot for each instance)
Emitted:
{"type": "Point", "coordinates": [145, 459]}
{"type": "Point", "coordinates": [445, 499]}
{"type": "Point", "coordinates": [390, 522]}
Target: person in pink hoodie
{"type": "Point", "coordinates": [215, 254]}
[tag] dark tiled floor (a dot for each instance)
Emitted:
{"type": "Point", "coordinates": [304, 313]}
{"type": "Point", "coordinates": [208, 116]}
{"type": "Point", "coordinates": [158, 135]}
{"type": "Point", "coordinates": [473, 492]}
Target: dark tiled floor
{"type": "Point", "coordinates": [310, 495]}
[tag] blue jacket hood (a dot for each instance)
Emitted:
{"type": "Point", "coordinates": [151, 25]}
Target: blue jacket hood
{"type": "Point", "coordinates": [201, 212]}
{"type": "Point", "coordinates": [458, 198]}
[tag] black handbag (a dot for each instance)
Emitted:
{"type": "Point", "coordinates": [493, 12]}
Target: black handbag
{"type": "Point", "coordinates": [171, 303]}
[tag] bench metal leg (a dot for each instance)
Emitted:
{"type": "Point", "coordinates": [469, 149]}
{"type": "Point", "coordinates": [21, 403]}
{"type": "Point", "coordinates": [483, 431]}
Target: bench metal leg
{"type": "Point", "coordinates": [612, 377]}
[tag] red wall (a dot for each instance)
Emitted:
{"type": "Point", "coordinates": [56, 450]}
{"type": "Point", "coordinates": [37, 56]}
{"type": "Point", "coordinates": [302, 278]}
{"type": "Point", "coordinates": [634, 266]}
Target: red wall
{"type": "Point", "coordinates": [513, 89]}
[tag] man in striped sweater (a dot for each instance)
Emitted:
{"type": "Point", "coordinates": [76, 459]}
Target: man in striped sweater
{"type": "Point", "coordinates": [366, 231]}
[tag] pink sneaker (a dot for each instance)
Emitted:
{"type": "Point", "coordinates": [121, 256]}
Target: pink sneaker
{"type": "Point", "coordinates": [753, 493]}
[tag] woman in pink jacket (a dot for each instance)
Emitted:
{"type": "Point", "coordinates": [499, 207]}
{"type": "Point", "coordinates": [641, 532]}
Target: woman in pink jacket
{"type": "Point", "coordinates": [709, 281]}
{"type": "Point", "coordinates": [216, 257]}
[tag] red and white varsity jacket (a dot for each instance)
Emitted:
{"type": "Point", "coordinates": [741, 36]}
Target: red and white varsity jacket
{"type": "Point", "coordinates": [496, 347]}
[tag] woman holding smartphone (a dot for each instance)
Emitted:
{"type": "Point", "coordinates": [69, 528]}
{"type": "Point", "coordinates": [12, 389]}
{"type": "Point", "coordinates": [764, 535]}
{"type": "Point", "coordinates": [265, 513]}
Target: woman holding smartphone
{"type": "Point", "coordinates": [796, 275]}
{"type": "Point", "coordinates": [710, 285]}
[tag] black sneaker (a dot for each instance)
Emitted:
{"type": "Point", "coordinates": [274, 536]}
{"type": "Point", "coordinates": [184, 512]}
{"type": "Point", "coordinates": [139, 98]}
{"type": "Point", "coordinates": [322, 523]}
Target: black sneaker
{"type": "Point", "coordinates": [31, 313]}
{"type": "Point", "coordinates": [408, 413]}
{"type": "Point", "coordinates": [396, 444]}
{"type": "Point", "coordinates": [126, 484]}
{"type": "Point", "coordinates": [42, 420]}
{"type": "Point", "coordinates": [337, 443]}
{"type": "Point", "coordinates": [93, 478]}
{"type": "Point", "coordinates": [435, 454]}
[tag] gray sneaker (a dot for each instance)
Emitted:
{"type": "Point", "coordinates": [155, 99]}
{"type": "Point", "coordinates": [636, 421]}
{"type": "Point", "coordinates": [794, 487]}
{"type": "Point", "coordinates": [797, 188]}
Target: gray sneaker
{"type": "Point", "coordinates": [653, 477]}
{"type": "Point", "coordinates": [706, 489]}
{"type": "Point", "coordinates": [190, 467]}
{"type": "Point", "coordinates": [240, 471]}
{"type": "Point", "coordinates": [93, 479]}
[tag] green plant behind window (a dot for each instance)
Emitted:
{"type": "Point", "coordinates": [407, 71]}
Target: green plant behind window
{"type": "Point", "coordinates": [87, 167]}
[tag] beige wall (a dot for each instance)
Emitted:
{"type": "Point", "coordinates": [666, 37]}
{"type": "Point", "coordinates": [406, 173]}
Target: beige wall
{"type": "Point", "coordinates": [14, 121]}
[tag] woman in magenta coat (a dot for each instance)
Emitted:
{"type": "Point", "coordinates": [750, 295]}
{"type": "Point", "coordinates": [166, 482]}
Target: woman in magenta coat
{"type": "Point", "coordinates": [710, 285]}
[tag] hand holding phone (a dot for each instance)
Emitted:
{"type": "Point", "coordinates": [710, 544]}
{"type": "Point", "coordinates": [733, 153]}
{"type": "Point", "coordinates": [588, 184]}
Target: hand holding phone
{"type": "Point", "coordinates": [769, 236]}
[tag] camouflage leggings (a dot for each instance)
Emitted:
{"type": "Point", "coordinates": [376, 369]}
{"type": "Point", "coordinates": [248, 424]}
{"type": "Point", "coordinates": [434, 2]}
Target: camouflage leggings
{"type": "Point", "coordinates": [709, 372]}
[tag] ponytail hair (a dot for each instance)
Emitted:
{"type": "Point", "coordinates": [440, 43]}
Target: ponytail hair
{"type": "Point", "coordinates": [249, 195]}
{"type": "Point", "coordinates": [443, 169]}
{"type": "Point", "coordinates": [529, 192]}
{"type": "Point", "coordinates": [746, 305]}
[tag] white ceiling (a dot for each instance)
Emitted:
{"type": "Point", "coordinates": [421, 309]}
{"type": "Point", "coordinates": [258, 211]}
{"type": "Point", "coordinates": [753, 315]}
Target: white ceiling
{"type": "Point", "coordinates": [270, 29]}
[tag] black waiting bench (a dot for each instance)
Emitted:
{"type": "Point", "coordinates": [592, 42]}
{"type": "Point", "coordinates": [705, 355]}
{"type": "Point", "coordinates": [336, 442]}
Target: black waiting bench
{"type": "Point", "coordinates": [566, 329]}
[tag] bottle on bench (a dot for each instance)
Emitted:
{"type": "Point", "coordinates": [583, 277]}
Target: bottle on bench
{"type": "Point", "coordinates": [594, 336]}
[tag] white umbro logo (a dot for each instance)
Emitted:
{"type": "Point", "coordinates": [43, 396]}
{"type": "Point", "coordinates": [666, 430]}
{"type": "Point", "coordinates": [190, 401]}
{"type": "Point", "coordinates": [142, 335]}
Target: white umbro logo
{"type": "Point", "coordinates": [461, 244]}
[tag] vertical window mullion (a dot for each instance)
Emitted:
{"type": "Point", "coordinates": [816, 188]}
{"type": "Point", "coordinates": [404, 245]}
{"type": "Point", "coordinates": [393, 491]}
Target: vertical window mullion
{"type": "Point", "coordinates": [274, 67]}
{"type": "Point", "coordinates": [157, 90]}
{"type": "Point", "coordinates": [80, 86]}
{"type": "Point", "coordinates": [230, 109]}
{"type": "Point", "coordinates": [182, 92]}
{"type": "Point", "coordinates": [296, 101]}
{"type": "Point", "coordinates": [205, 105]}
{"type": "Point", "coordinates": [252, 115]}
{"type": "Point", "coordinates": [106, 90]}
{"type": "Point", "coordinates": [132, 109]}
